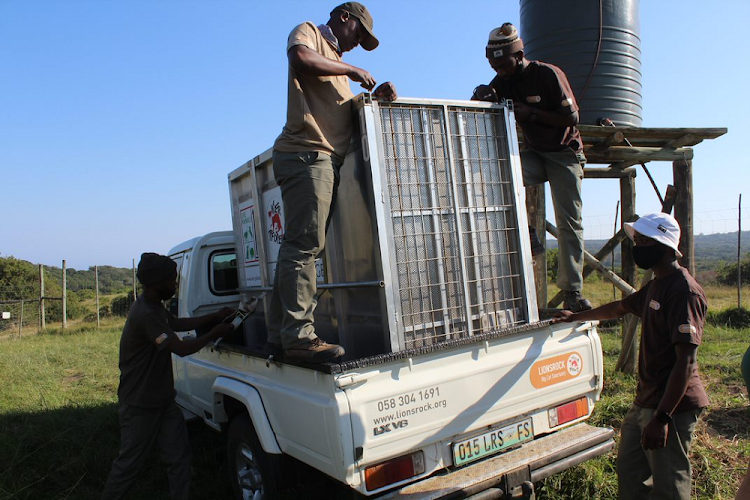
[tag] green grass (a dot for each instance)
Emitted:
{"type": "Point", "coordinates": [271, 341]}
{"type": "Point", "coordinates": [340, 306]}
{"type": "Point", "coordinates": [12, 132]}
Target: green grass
{"type": "Point", "coordinates": [59, 430]}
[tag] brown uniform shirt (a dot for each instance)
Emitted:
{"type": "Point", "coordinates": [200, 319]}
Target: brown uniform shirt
{"type": "Point", "coordinates": [672, 310]}
{"type": "Point", "coordinates": [319, 113]}
{"type": "Point", "coordinates": [542, 86]}
{"type": "Point", "coordinates": [146, 378]}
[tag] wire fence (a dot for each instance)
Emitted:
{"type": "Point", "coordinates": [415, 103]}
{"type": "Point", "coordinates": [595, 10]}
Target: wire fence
{"type": "Point", "coordinates": [51, 302]}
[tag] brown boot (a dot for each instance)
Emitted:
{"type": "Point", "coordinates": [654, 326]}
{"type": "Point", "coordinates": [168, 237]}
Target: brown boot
{"type": "Point", "coordinates": [317, 351]}
{"type": "Point", "coordinates": [575, 302]}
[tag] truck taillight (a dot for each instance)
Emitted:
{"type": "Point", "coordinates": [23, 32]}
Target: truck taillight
{"type": "Point", "coordinates": [394, 470]}
{"type": "Point", "coordinates": [569, 411]}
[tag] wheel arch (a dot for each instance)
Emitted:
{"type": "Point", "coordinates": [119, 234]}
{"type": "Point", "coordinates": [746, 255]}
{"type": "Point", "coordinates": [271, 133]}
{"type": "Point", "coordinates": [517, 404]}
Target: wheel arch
{"type": "Point", "coordinates": [231, 396]}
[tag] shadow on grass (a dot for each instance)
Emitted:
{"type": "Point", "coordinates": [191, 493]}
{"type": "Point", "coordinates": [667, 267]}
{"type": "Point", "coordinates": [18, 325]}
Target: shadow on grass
{"type": "Point", "coordinates": [730, 423]}
{"type": "Point", "coordinates": [67, 454]}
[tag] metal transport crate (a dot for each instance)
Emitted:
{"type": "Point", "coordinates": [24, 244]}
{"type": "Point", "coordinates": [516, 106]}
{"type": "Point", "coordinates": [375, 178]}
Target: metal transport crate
{"type": "Point", "coordinates": [428, 239]}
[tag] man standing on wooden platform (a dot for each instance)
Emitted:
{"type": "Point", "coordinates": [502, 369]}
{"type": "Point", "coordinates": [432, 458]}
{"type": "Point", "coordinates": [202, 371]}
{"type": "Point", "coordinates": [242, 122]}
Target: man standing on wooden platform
{"type": "Point", "coordinates": [547, 112]}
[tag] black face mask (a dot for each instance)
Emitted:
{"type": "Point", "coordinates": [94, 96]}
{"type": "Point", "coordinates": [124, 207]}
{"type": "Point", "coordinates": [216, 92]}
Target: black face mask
{"type": "Point", "coordinates": [648, 257]}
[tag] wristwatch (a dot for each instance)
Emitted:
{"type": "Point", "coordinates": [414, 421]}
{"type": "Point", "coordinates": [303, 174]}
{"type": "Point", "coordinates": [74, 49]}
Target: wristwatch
{"type": "Point", "coordinates": [663, 417]}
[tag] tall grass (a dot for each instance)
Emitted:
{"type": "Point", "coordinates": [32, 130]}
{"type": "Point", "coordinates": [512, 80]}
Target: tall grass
{"type": "Point", "coordinates": [59, 431]}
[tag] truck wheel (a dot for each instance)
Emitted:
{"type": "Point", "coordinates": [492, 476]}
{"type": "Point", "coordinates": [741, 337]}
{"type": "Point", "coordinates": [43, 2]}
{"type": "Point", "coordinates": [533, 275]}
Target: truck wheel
{"type": "Point", "coordinates": [255, 473]}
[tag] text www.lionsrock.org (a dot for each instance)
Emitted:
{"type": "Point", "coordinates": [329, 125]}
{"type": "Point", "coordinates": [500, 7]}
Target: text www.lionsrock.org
{"type": "Point", "coordinates": [399, 414]}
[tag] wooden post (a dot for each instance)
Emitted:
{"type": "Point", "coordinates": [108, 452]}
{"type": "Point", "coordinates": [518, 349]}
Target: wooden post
{"type": "Point", "coordinates": [134, 297]}
{"type": "Point", "coordinates": [627, 214]}
{"type": "Point", "coordinates": [64, 296]}
{"type": "Point", "coordinates": [682, 170]}
{"type": "Point", "coordinates": [96, 285]}
{"type": "Point", "coordinates": [739, 254]}
{"type": "Point", "coordinates": [20, 322]}
{"type": "Point", "coordinates": [535, 208]}
{"type": "Point", "coordinates": [42, 322]}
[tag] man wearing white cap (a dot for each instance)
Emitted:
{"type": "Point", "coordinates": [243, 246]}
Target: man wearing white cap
{"type": "Point", "coordinates": [652, 461]}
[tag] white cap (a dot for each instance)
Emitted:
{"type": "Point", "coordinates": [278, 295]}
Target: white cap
{"type": "Point", "coordinates": [660, 227]}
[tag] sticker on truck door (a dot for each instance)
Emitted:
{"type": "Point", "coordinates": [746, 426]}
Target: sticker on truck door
{"type": "Point", "coordinates": [249, 248]}
{"type": "Point", "coordinates": [556, 369]}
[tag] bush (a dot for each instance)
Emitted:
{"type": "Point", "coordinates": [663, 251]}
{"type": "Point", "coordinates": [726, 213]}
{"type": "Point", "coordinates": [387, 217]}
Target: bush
{"type": "Point", "coordinates": [727, 273]}
{"type": "Point", "coordinates": [121, 305]}
{"type": "Point", "coordinates": [735, 317]}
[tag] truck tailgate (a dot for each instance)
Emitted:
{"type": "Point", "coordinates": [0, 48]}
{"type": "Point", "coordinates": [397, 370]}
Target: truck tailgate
{"type": "Point", "coordinates": [435, 399]}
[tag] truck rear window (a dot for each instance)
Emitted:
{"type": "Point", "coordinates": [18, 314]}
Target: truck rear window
{"type": "Point", "coordinates": [223, 273]}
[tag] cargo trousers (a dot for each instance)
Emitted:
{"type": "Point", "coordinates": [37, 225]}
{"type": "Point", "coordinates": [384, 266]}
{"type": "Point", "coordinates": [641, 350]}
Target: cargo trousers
{"type": "Point", "coordinates": [655, 474]}
{"type": "Point", "coordinates": [308, 183]}
{"type": "Point", "coordinates": [564, 171]}
{"type": "Point", "coordinates": [140, 430]}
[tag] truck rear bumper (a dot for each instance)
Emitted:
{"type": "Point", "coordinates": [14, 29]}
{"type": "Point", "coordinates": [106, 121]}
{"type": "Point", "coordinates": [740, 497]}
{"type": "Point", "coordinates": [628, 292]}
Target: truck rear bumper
{"type": "Point", "coordinates": [534, 461]}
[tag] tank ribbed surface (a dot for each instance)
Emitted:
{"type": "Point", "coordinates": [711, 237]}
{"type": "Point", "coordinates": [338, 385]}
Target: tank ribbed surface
{"type": "Point", "coordinates": [597, 44]}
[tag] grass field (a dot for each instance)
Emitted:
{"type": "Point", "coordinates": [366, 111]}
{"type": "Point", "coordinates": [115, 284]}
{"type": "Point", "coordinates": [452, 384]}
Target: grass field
{"type": "Point", "coordinates": [59, 431]}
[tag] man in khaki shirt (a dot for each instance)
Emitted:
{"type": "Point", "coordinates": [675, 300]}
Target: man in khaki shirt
{"type": "Point", "coordinates": [306, 159]}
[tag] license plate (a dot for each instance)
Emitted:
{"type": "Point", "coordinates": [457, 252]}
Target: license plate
{"type": "Point", "coordinates": [492, 442]}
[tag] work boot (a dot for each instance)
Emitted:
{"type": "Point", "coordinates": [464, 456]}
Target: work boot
{"type": "Point", "coordinates": [536, 245]}
{"type": "Point", "coordinates": [574, 302]}
{"type": "Point", "coordinates": [316, 351]}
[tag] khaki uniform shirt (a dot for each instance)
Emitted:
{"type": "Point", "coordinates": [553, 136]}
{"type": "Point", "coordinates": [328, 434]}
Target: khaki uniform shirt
{"type": "Point", "coordinates": [319, 114]}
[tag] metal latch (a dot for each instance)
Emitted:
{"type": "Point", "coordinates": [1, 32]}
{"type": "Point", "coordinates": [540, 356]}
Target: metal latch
{"type": "Point", "coordinates": [351, 379]}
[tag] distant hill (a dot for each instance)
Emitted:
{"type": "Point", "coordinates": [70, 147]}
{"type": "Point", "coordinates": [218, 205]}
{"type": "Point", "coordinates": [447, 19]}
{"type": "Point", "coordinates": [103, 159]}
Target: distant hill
{"type": "Point", "coordinates": [710, 249]}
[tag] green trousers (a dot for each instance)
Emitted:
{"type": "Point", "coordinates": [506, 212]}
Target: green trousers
{"type": "Point", "coordinates": [308, 183]}
{"type": "Point", "coordinates": [564, 171]}
{"type": "Point", "coordinates": [655, 474]}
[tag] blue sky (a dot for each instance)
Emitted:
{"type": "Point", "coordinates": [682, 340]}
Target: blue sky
{"type": "Point", "coordinates": [119, 120]}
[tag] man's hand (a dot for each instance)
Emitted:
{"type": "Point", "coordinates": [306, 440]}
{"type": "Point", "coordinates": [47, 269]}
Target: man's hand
{"type": "Point", "coordinates": [219, 316]}
{"type": "Point", "coordinates": [522, 111]}
{"type": "Point", "coordinates": [363, 77]}
{"type": "Point", "coordinates": [221, 330]}
{"type": "Point", "coordinates": [385, 92]}
{"type": "Point", "coordinates": [654, 435]}
{"type": "Point", "coordinates": [484, 93]}
{"type": "Point", "coordinates": [563, 316]}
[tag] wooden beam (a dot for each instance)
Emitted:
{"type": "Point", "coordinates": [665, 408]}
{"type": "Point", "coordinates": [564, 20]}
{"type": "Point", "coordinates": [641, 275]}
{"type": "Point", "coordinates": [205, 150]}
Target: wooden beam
{"type": "Point", "coordinates": [535, 208]}
{"type": "Point", "coordinates": [616, 138]}
{"type": "Point", "coordinates": [649, 133]}
{"type": "Point", "coordinates": [637, 154]}
{"type": "Point", "coordinates": [683, 211]}
{"type": "Point", "coordinates": [608, 173]}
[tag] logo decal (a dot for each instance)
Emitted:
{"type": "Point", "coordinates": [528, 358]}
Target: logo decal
{"type": "Point", "coordinates": [275, 228]}
{"type": "Point", "coordinates": [498, 53]}
{"type": "Point", "coordinates": [556, 369]}
{"type": "Point", "coordinates": [687, 328]}
{"type": "Point", "coordinates": [382, 429]}
{"type": "Point", "coordinates": [661, 228]}
{"type": "Point", "coordinates": [567, 102]}
{"type": "Point", "coordinates": [574, 364]}
{"type": "Point", "coordinates": [654, 305]}
{"type": "Point", "coordinates": [534, 98]}
{"type": "Point", "coordinates": [161, 338]}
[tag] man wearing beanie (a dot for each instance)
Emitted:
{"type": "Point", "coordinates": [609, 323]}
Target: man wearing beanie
{"type": "Point", "coordinates": [547, 112]}
{"type": "Point", "coordinates": [652, 459]}
{"type": "Point", "coordinates": [148, 413]}
{"type": "Point", "coordinates": [306, 160]}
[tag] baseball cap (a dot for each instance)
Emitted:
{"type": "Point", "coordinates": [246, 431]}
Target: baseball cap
{"type": "Point", "coordinates": [370, 42]}
{"type": "Point", "coordinates": [658, 226]}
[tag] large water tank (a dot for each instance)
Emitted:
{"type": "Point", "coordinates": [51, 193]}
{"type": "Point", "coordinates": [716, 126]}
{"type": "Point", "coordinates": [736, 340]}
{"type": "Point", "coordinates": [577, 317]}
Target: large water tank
{"type": "Point", "coordinates": [597, 44]}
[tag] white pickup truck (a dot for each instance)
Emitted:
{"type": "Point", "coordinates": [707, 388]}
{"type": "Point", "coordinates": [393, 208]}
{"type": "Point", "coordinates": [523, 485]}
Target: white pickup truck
{"type": "Point", "coordinates": [451, 386]}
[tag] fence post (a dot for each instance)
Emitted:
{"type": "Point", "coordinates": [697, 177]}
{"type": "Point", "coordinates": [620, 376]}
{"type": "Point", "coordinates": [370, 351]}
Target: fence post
{"type": "Point", "coordinates": [20, 323]}
{"type": "Point", "coordinates": [64, 295]}
{"type": "Point", "coordinates": [739, 253]}
{"type": "Point", "coordinates": [96, 284]}
{"type": "Point", "coordinates": [42, 322]}
{"type": "Point", "coordinates": [134, 297]}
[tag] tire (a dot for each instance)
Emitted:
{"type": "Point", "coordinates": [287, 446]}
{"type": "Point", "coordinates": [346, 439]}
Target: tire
{"type": "Point", "coordinates": [255, 474]}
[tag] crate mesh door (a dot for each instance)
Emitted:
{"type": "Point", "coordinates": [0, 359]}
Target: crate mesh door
{"type": "Point", "coordinates": [454, 222]}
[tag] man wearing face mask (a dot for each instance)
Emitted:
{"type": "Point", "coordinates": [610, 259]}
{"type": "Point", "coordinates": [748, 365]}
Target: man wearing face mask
{"type": "Point", "coordinates": [652, 461]}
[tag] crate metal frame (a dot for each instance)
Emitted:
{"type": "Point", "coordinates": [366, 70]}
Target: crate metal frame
{"type": "Point", "coordinates": [464, 220]}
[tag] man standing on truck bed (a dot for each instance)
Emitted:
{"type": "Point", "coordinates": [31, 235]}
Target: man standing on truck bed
{"type": "Point", "coordinates": [652, 461]}
{"type": "Point", "coordinates": [306, 161]}
{"type": "Point", "coordinates": [547, 112]}
{"type": "Point", "coordinates": [148, 413]}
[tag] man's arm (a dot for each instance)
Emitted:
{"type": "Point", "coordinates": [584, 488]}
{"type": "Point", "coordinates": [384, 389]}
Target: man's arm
{"type": "Point", "coordinates": [187, 324]}
{"type": "Point", "coordinates": [309, 62]}
{"type": "Point", "coordinates": [655, 433]}
{"type": "Point", "coordinates": [189, 345]}
{"type": "Point", "coordinates": [527, 114]}
{"type": "Point", "coordinates": [607, 311]}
